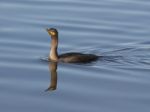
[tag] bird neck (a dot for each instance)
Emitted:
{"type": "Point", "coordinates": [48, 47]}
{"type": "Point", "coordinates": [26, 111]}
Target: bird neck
{"type": "Point", "coordinates": [53, 50]}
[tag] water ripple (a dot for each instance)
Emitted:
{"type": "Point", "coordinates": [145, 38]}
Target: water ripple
{"type": "Point", "coordinates": [115, 29]}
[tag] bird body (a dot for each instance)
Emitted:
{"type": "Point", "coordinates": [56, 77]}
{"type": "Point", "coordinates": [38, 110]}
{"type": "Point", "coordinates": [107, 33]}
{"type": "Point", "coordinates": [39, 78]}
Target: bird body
{"type": "Point", "coordinates": [72, 57]}
{"type": "Point", "coordinates": [77, 57]}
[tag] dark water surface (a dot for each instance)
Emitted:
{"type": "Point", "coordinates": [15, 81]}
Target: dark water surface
{"type": "Point", "coordinates": [117, 29]}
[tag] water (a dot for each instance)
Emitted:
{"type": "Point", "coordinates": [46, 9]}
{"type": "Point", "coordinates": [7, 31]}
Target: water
{"type": "Point", "coordinates": [116, 29]}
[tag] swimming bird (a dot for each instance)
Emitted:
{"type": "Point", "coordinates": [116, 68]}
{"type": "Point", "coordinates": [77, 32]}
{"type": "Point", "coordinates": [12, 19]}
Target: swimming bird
{"type": "Point", "coordinates": [72, 57]}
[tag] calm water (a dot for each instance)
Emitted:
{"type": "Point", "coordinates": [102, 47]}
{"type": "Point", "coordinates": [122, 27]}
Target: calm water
{"type": "Point", "coordinates": [117, 29]}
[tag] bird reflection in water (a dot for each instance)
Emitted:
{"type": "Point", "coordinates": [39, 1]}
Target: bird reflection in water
{"type": "Point", "coordinates": [53, 76]}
